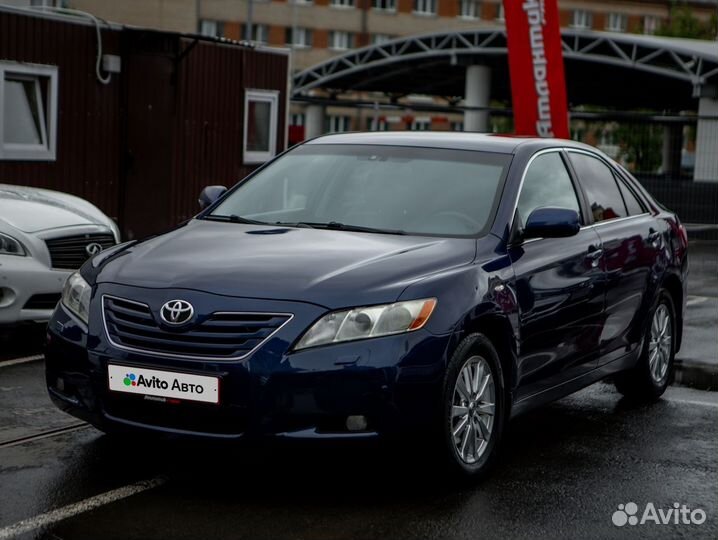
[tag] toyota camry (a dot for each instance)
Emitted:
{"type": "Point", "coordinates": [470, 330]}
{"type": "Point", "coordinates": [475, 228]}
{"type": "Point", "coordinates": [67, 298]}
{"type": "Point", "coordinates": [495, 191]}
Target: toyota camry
{"type": "Point", "coordinates": [362, 285]}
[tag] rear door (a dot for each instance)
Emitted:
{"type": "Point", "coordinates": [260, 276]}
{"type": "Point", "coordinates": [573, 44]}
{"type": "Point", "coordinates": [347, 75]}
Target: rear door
{"type": "Point", "coordinates": [558, 284]}
{"type": "Point", "coordinates": [630, 245]}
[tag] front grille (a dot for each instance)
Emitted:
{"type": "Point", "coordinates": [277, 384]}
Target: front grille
{"type": "Point", "coordinates": [130, 324]}
{"type": "Point", "coordinates": [42, 301]}
{"type": "Point", "coordinates": [70, 252]}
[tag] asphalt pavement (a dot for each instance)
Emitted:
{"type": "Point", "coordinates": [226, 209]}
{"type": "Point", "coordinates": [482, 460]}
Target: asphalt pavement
{"type": "Point", "coordinates": [565, 469]}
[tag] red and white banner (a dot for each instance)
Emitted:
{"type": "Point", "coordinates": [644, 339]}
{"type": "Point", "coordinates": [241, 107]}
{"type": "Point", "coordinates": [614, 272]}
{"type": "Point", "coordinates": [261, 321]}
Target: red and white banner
{"type": "Point", "coordinates": [538, 84]}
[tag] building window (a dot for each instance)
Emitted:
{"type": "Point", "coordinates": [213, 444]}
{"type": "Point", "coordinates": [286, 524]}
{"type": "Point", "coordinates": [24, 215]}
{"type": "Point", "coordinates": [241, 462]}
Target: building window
{"type": "Point", "coordinates": [617, 22]}
{"type": "Point", "coordinates": [469, 9]}
{"type": "Point", "coordinates": [211, 28]}
{"type": "Point", "coordinates": [425, 7]}
{"type": "Point", "coordinates": [260, 33]}
{"type": "Point", "coordinates": [260, 125]}
{"type": "Point", "coordinates": [297, 119]}
{"type": "Point", "coordinates": [501, 14]}
{"type": "Point", "coordinates": [299, 37]}
{"type": "Point", "coordinates": [457, 126]}
{"type": "Point", "coordinates": [342, 3]}
{"type": "Point", "coordinates": [380, 39]}
{"type": "Point", "coordinates": [651, 24]}
{"type": "Point", "coordinates": [421, 123]}
{"type": "Point", "coordinates": [581, 19]}
{"type": "Point", "coordinates": [28, 111]}
{"type": "Point", "coordinates": [341, 41]}
{"type": "Point", "coordinates": [338, 124]}
{"type": "Point", "coordinates": [377, 124]}
{"type": "Point", "coordinates": [384, 5]}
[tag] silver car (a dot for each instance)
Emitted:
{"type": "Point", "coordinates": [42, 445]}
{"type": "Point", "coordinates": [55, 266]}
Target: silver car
{"type": "Point", "coordinates": [44, 236]}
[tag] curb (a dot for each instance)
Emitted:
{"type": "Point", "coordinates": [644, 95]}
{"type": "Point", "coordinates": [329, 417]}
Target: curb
{"type": "Point", "coordinates": [696, 375]}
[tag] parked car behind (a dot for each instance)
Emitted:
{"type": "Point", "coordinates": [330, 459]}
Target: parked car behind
{"type": "Point", "coordinates": [367, 284]}
{"type": "Point", "coordinates": [44, 236]}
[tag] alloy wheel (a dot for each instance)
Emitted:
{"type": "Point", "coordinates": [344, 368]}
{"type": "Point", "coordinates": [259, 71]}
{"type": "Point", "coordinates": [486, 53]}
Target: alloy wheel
{"type": "Point", "coordinates": [473, 409]}
{"type": "Point", "coordinates": [661, 343]}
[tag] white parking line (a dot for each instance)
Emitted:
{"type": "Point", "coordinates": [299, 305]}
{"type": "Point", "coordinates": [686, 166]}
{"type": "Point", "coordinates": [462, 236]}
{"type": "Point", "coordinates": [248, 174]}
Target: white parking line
{"type": "Point", "coordinates": [694, 402]}
{"type": "Point", "coordinates": [693, 300]}
{"type": "Point", "coordinates": [49, 518]}
{"type": "Point", "coordinates": [23, 360]}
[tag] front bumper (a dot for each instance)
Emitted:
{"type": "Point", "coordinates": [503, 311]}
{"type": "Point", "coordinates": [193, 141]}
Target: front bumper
{"type": "Point", "coordinates": [20, 279]}
{"type": "Point", "coordinates": [394, 381]}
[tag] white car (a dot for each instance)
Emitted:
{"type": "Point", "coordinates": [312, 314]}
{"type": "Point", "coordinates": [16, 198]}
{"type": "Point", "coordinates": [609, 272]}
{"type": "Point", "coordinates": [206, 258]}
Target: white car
{"type": "Point", "coordinates": [44, 236]}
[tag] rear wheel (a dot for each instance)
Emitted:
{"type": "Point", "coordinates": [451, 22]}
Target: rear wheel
{"type": "Point", "coordinates": [474, 412]}
{"type": "Point", "coordinates": [652, 374]}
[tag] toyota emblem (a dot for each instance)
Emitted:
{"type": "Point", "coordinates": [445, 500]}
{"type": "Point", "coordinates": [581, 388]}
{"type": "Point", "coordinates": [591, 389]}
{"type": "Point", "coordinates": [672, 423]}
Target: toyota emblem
{"type": "Point", "coordinates": [93, 249]}
{"type": "Point", "coordinates": [176, 312]}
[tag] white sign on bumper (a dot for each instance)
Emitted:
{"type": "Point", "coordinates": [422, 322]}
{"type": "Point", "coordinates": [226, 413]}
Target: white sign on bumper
{"type": "Point", "coordinates": [152, 382]}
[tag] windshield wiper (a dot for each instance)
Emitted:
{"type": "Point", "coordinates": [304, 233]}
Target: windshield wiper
{"type": "Point", "coordinates": [337, 226]}
{"type": "Point", "coordinates": [233, 218]}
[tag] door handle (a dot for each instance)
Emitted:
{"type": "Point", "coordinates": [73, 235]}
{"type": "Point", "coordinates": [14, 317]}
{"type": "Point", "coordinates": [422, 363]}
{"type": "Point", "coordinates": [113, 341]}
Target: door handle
{"type": "Point", "coordinates": [594, 255]}
{"type": "Point", "coordinates": [654, 237]}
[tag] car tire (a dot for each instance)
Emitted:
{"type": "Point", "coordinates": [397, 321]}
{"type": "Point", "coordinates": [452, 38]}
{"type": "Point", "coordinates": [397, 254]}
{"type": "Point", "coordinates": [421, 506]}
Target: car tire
{"type": "Point", "coordinates": [472, 434]}
{"type": "Point", "coordinates": [654, 370]}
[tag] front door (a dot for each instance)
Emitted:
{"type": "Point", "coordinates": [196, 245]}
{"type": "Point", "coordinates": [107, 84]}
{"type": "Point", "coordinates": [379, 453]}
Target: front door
{"type": "Point", "coordinates": [558, 283]}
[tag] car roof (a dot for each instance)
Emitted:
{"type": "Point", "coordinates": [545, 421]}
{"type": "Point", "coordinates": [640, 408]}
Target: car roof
{"type": "Point", "coordinates": [504, 144]}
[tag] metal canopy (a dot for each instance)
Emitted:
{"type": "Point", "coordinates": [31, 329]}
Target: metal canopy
{"type": "Point", "coordinates": [602, 68]}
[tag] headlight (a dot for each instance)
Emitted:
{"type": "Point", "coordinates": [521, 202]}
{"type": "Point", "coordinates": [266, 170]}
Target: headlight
{"type": "Point", "coordinates": [367, 322]}
{"type": "Point", "coordinates": [10, 246]}
{"type": "Point", "coordinates": [76, 296]}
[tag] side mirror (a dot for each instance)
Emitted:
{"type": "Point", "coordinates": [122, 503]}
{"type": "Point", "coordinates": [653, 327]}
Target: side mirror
{"type": "Point", "coordinates": [209, 195]}
{"type": "Point", "coordinates": [552, 223]}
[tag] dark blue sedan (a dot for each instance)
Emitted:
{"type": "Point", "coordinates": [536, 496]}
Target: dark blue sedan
{"type": "Point", "coordinates": [369, 284]}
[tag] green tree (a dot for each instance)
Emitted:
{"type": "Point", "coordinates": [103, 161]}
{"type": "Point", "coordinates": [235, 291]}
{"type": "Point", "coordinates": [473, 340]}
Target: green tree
{"type": "Point", "coordinates": [683, 23]}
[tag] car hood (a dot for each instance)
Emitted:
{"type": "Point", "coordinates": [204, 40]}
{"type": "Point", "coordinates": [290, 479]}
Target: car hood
{"type": "Point", "coordinates": [31, 209]}
{"type": "Point", "coordinates": [324, 267]}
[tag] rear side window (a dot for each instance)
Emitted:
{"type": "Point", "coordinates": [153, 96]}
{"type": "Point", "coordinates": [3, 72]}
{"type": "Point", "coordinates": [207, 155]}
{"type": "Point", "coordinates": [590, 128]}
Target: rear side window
{"type": "Point", "coordinates": [634, 206]}
{"type": "Point", "coordinates": [604, 197]}
{"type": "Point", "coordinates": [547, 184]}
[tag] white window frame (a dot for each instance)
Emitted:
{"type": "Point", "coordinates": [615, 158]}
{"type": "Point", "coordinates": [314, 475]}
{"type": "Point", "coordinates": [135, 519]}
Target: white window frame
{"type": "Point", "coordinates": [582, 19]}
{"type": "Point", "coordinates": [389, 6]}
{"type": "Point", "coordinates": [46, 151]}
{"type": "Point", "coordinates": [425, 7]}
{"type": "Point", "coordinates": [470, 9]}
{"type": "Point", "coordinates": [210, 27]}
{"type": "Point", "coordinates": [651, 24]}
{"type": "Point", "coordinates": [251, 157]}
{"type": "Point", "coordinates": [421, 123]}
{"type": "Point", "coordinates": [340, 40]}
{"type": "Point", "coordinates": [334, 123]}
{"type": "Point", "coordinates": [342, 4]}
{"type": "Point", "coordinates": [380, 39]}
{"type": "Point", "coordinates": [501, 13]}
{"type": "Point", "coordinates": [260, 31]}
{"type": "Point", "coordinates": [306, 41]}
{"type": "Point", "coordinates": [617, 22]}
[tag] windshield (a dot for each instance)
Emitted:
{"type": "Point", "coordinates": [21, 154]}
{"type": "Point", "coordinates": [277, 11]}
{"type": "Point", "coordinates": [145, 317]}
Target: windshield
{"type": "Point", "coordinates": [394, 189]}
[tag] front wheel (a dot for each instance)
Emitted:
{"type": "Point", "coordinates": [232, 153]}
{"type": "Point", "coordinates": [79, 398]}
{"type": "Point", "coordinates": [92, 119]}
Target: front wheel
{"type": "Point", "coordinates": [651, 375]}
{"type": "Point", "coordinates": [474, 412]}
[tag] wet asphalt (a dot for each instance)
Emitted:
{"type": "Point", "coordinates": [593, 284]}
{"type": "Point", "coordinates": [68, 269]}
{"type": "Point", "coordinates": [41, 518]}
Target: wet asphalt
{"type": "Point", "coordinates": [565, 469]}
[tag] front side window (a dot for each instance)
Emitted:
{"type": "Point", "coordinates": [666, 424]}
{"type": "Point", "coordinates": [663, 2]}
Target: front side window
{"type": "Point", "coordinates": [260, 125]}
{"type": "Point", "coordinates": [28, 111]}
{"type": "Point", "coordinates": [547, 184]}
{"type": "Point", "coordinates": [604, 197]}
{"type": "Point", "coordinates": [389, 188]}
{"type": "Point", "coordinates": [633, 205]}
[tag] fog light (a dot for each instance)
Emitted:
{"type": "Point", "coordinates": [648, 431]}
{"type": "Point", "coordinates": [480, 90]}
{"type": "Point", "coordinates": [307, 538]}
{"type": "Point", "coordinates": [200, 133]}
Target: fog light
{"type": "Point", "coordinates": [356, 423]}
{"type": "Point", "coordinates": [7, 297]}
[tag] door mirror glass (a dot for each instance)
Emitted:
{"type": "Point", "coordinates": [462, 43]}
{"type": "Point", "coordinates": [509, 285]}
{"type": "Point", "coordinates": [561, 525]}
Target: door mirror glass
{"type": "Point", "coordinates": [552, 223]}
{"type": "Point", "coordinates": [209, 195]}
